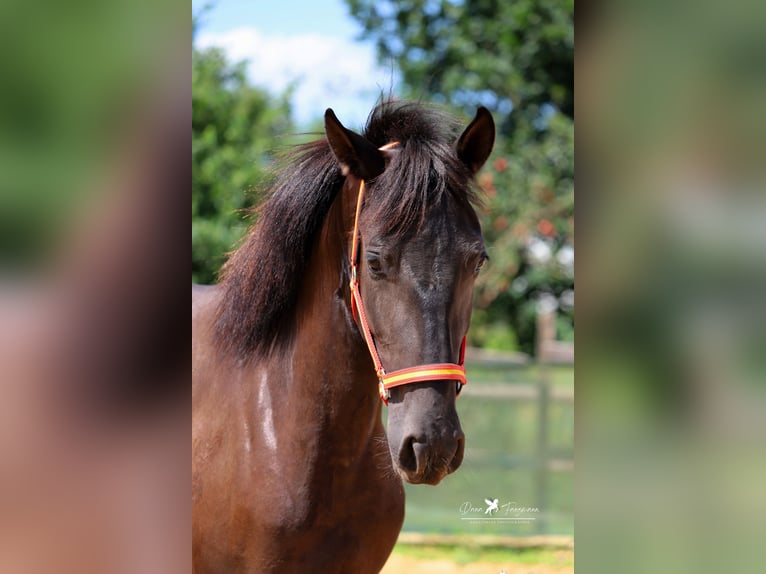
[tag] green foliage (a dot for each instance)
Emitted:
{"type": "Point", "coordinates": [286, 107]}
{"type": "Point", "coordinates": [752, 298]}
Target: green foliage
{"type": "Point", "coordinates": [234, 129]}
{"type": "Point", "coordinates": [501, 54]}
{"type": "Point", "coordinates": [516, 58]}
{"type": "Point", "coordinates": [529, 228]}
{"type": "Point", "coordinates": [467, 553]}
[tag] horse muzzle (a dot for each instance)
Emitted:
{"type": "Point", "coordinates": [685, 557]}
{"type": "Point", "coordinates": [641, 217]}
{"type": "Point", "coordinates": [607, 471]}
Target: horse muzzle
{"type": "Point", "coordinates": [423, 461]}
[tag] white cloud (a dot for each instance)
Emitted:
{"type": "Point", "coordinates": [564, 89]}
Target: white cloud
{"type": "Point", "coordinates": [329, 71]}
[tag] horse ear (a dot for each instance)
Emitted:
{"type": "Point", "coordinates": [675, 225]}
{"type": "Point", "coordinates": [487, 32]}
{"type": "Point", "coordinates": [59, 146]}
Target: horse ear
{"type": "Point", "coordinates": [475, 143]}
{"type": "Point", "coordinates": [355, 154]}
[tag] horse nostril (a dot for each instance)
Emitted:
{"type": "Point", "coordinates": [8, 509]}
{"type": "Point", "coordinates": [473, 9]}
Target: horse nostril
{"type": "Point", "coordinates": [407, 459]}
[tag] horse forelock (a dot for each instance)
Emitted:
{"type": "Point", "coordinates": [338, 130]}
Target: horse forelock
{"type": "Point", "coordinates": [422, 170]}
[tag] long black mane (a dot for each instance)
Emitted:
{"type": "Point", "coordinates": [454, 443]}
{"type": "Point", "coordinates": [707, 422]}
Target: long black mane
{"type": "Point", "coordinates": [262, 279]}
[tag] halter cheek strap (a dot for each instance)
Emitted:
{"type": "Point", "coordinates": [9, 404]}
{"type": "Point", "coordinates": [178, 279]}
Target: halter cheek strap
{"type": "Point", "coordinates": [431, 372]}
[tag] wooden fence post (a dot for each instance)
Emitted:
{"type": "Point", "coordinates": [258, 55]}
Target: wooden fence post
{"type": "Point", "coordinates": [541, 479]}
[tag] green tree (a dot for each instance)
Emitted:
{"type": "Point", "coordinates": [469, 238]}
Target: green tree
{"type": "Point", "coordinates": [517, 59]}
{"type": "Point", "coordinates": [234, 130]}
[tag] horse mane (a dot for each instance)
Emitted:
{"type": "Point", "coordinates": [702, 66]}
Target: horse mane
{"type": "Point", "coordinates": [261, 281]}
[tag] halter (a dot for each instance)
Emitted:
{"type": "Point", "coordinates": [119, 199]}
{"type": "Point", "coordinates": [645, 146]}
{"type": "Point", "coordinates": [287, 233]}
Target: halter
{"type": "Point", "coordinates": [431, 372]}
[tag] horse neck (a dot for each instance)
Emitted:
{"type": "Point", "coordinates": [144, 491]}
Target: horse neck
{"type": "Point", "coordinates": [334, 372]}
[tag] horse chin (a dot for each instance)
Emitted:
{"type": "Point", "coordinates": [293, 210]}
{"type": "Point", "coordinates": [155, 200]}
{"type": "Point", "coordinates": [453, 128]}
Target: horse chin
{"type": "Point", "coordinates": [431, 476]}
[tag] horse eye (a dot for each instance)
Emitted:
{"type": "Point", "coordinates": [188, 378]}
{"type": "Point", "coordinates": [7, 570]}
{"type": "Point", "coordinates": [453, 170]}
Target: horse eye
{"type": "Point", "coordinates": [374, 264]}
{"type": "Point", "coordinates": [482, 260]}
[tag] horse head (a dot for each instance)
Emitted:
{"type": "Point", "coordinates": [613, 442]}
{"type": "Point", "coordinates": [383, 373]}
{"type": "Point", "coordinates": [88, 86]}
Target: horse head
{"type": "Point", "coordinates": [415, 254]}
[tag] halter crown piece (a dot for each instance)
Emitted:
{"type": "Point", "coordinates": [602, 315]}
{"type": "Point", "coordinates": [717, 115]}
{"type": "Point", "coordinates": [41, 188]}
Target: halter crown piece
{"type": "Point", "coordinates": [431, 372]}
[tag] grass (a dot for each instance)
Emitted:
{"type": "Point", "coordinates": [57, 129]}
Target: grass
{"type": "Point", "coordinates": [467, 554]}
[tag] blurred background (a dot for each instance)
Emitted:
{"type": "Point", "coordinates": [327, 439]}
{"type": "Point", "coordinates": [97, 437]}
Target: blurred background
{"type": "Point", "coordinates": [671, 99]}
{"type": "Point", "coordinates": [94, 400]}
{"type": "Point", "coordinates": [263, 74]}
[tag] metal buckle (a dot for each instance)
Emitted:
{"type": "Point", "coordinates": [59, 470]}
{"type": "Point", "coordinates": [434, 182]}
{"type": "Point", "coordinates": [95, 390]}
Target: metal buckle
{"type": "Point", "coordinates": [383, 391]}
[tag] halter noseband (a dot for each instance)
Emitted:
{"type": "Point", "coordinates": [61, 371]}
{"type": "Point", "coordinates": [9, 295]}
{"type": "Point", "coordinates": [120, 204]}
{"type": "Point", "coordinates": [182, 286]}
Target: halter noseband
{"type": "Point", "coordinates": [432, 372]}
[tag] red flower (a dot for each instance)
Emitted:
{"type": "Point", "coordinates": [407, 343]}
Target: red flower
{"type": "Point", "coordinates": [546, 228]}
{"type": "Point", "coordinates": [500, 223]}
{"type": "Point", "coordinates": [500, 164]}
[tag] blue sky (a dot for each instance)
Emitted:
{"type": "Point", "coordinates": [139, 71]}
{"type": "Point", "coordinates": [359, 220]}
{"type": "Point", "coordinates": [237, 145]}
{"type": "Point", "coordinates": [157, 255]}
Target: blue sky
{"type": "Point", "coordinates": [311, 44]}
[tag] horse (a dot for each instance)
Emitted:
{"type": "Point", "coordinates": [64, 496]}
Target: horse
{"type": "Point", "coordinates": [354, 285]}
